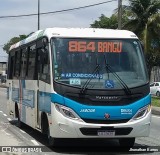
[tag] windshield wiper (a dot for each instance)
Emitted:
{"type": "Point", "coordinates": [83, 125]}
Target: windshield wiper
{"type": "Point", "coordinates": [89, 79]}
{"type": "Point", "coordinates": [109, 68]}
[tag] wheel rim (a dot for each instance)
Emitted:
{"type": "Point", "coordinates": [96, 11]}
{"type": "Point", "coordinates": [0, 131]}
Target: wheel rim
{"type": "Point", "coordinates": [158, 94]}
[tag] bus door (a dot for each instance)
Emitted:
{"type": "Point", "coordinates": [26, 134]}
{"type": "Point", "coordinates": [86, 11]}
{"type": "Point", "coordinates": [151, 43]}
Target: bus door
{"type": "Point", "coordinates": [43, 94]}
{"type": "Point", "coordinates": [10, 105]}
{"type": "Point", "coordinates": [38, 80]}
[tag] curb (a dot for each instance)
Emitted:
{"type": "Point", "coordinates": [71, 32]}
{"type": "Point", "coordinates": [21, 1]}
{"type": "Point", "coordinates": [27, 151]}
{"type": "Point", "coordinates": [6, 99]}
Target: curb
{"type": "Point", "coordinates": [155, 110]}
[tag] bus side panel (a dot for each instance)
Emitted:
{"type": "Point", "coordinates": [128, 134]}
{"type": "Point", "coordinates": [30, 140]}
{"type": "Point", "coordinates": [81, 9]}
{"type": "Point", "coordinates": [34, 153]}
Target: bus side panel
{"type": "Point", "coordinates": [13, 96]}
{"type": "Point", "coordinates": [44, 101]}
{"type": "Point", "coordinates": [29, 102]}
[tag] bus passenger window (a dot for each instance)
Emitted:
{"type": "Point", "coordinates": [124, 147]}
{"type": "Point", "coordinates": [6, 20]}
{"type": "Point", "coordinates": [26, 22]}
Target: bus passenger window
{"type": "Point", "coordinates": [24, 63]}
{"type": "Point", "coordinates": [31, 62]}
{"type": "Point", "coordinates": [44, 63]}
{"type": "Point", "coordinates": [17, 64]}
{"type": "Point", "coordinates": [11, 65]}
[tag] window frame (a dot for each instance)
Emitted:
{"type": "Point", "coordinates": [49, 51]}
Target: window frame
{"type": "Point", "coordinates": [39, 43]}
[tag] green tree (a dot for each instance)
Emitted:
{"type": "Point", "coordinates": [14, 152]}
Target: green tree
{"type": "Point", "coordinates": [140, 12]}
{"type": "Point", "coordinates": [13, 41]}
{"type": "Point", "coordinates": [143, 18]}
{"type": "Point", "coordinates": [145, 22]}
{"type": "Point", "coordinates": [109, 22]}
{"type": "Point", "coordinates": [152, 42]}
{"type": "Point", "coordinates": [105, 22]}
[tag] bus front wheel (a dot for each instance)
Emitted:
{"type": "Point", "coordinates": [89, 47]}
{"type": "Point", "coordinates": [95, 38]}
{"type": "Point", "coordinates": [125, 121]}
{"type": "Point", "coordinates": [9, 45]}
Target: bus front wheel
{"type": "Point", "coordinates": [51, 141]}
{"type": "Point", "coordinates": [46, 131]}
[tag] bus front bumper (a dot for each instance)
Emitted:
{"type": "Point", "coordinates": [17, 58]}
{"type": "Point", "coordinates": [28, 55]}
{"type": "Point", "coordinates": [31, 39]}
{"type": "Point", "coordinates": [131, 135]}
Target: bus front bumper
{"type": "Point", "coordinates": [63, 127]}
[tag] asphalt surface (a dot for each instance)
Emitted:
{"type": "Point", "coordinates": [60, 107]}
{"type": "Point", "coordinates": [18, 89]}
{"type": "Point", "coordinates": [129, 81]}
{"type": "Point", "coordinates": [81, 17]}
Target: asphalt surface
{"type": "Point", "coordinates": [156, 110]}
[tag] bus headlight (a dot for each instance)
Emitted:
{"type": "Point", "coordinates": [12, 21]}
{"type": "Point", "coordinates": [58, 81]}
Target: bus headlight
{"type": "Point", "coordinates": [67, 112]}
{"type": "Point", "coordinates": [142, 112]}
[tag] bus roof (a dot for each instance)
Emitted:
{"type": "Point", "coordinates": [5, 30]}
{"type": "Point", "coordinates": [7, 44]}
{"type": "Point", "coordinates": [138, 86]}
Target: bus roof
{"type": "Point", "coordinates": [77, 33]}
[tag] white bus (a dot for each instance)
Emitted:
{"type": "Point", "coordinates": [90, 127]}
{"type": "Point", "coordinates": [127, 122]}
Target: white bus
{"type": "Point", "coordinates": [80, 83]}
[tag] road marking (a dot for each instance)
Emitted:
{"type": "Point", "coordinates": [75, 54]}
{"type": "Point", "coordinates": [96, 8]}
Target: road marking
{"type": "Point", "coordinates": [4, 115]}
{"type": "Point", "coordinates": [19, 133]}
{"type": "Point", "coordinates": [9, 119]}
{"type": "Point", "coordinates": [34, 142]}
{"type": "Point", "coordinates": [1, 111]}
{"type": "Point", "coordinates": [155, 116]}
{"type": "Point", "coordinates": [22, 131]}
{"type": "Point", "coordinates": [6, 133]}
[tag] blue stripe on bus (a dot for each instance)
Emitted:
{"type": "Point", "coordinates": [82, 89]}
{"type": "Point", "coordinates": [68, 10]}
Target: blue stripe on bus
{"type": "Point", "coordinates": [7, 93]}
{"type": "Point", "coordinates": [23, 84]}
{"type": "Point", "coordinates": [15, 94]}
{"type": "Point", "coordinates": [23, 114]}
{"type": "Point", "coordinates": [44, 102]}
{"type": "Point", "coordinates": [97, 112]}
{"type": "Point", "coordinates": [28, 97]}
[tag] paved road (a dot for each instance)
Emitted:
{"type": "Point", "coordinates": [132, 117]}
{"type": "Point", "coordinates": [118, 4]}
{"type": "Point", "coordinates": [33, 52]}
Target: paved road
{"type": "Point", "coordinates": [11, 135]}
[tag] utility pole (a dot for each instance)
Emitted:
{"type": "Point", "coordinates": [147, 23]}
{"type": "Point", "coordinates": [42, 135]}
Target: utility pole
{"type": "Point", "coordinates": [38, 14]}
{"type": "Point", "coordinates": [119, 14]}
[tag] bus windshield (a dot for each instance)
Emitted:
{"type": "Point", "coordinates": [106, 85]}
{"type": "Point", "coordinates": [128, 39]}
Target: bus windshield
{"type": "Point", "coordinates": [96, 61]}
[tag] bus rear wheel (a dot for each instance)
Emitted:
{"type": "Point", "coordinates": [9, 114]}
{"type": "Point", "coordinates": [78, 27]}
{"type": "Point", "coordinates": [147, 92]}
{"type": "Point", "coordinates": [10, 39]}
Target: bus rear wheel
{"type": "Point", "coordinates": [127, 142]}
{"type": "Point", "coordinates": [19, 123]}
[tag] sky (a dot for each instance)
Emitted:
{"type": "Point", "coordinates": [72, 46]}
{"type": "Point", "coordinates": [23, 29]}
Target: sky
{"type": "Point", "coordinates": [13, 27]}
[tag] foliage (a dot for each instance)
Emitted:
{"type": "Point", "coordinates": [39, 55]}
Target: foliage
{"type": "Point", "coordinates": [155, 101]}
{"type": "Point", "coordinates": [152, 44]}
{"type": "Point", "coordinates": [105, 22]}
{"type": "Point", "coordinates": [140, 13]}
{"type": "Point", "coordinates": [143, 18]}
{"type": "Point", "coordinates": [13, 41]}
{"type": "Point", "coordinates": [110, 23]}
{"type": "Point", "coordinates": [145, 22]}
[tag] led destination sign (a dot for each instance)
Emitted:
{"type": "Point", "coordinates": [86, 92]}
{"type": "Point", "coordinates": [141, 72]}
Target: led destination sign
{"type": "Point", "coordinates": [95, 46]}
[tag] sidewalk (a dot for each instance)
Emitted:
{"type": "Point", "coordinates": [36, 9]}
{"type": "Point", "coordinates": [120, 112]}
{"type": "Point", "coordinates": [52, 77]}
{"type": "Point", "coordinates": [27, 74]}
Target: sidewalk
{"type": "Point", "coordinates": [155, 110]}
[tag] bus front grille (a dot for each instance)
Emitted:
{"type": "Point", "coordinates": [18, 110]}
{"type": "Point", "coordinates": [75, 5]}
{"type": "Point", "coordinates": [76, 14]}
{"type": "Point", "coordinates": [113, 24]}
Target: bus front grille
{"type": "Point", "coordinates": [94, 131]}
{"type": "Point", "coordinates": [94, 121]}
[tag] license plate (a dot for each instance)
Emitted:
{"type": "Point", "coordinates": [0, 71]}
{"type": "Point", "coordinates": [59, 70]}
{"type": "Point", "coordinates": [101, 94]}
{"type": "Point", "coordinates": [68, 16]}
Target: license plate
{"type": "Point", "coordinates": [106, 133]}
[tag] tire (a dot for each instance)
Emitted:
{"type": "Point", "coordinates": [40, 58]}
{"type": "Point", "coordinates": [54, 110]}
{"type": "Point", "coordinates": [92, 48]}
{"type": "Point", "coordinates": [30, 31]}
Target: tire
{"type": "Point", "coordinates": [158, 93]}
{"type": "Point", "coordinates": [52, 142]}
{"type": "Point", "coordinates": [19, 123]}
{"type": "Point", "coordinates": [127, 142]}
